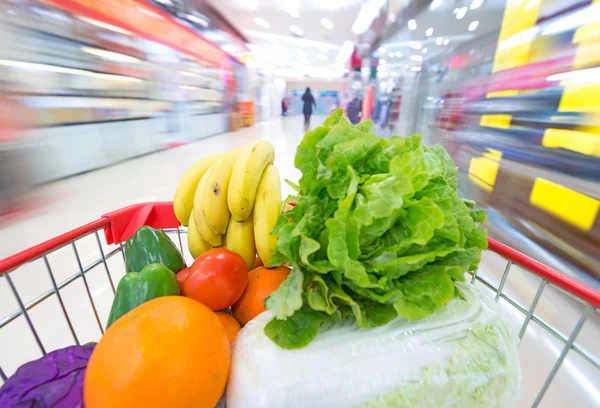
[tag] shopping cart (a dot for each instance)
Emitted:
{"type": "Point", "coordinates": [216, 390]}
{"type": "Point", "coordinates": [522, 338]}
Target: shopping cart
{"type": "Point", "coordinates": [118, 226]}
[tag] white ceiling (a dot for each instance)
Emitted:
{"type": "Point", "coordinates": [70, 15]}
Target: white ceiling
{"type": "Point", "coordinates": [442, 19]}
{"type": "Point", "coordinates": [277, 46]}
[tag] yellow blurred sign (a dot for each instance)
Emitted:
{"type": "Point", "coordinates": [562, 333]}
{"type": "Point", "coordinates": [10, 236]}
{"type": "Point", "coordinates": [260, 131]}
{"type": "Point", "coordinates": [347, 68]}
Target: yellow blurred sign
{"type": "Point", "coordinates": [569, 205]}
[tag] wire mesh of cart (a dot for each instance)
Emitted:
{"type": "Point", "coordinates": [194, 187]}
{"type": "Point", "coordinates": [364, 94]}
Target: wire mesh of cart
{"type": "Point", "coordinates": [81, 292]}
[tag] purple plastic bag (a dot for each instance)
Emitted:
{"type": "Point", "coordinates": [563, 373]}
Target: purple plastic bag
{"type": "Point", "coordinates": [55, 380]}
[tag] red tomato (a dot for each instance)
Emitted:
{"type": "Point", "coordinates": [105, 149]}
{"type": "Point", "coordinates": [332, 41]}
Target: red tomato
{"type": "Point", "coordinates": [217, 278]}
{"type": "Point", "coordinates": [181, 275]}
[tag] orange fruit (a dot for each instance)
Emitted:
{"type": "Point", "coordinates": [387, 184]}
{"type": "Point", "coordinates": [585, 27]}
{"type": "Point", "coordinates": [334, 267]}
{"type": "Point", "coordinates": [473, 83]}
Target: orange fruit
{"type": "Point", "coordinates": [169, 352]}
{"type": "Point", "coordinates": [261, 283]}
{"type": "Point", "coordinates": [231, 326]}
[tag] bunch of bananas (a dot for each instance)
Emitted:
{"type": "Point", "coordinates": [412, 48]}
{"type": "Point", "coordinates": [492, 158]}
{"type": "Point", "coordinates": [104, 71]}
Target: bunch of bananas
{"type": "Point", "coordinates": [232, 200]}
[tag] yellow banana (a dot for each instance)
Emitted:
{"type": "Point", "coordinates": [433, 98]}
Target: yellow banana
{"type": "Point", "coordinates": [266, 212]}
{"type": "Point", "coordinates": [184, 194]}
{"type": "Point", "coordinates": [213, 195]}
{"type": "Point", "coordinates": [205, 231]}
{"type": "Point", "coordinates": [245, 177]}
{"type": "Point", "coordinates": [240, 238]}
{"type": "Point", "coordinates": [196, 244]}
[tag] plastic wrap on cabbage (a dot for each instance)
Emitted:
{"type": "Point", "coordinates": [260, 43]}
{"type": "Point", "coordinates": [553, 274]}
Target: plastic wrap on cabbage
{"type": "Point", "coordinates": [378, 231]}
{"type": "Point", "coordinates": [55, 380]}
{"type": "Point", "coordinates": [463, 355]}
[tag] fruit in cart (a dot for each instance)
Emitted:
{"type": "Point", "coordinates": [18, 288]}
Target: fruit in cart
{"type": "Point", "coordinates": [148, 246]}
{"type": "Point", "coordinates": [246, 174]}
{"type": "Point", "coordinates": [184, 194]}
{"type": "Point", "coordinates": [207, 234]}
{"type": "Point", "coordinates": [230, 325]}
{"type": "Point", "coordinates": [210, 201]}
{"type": "Point", "coordinates": [136, 288]}
{"type": "Point", "coordinates": [181, 275]}
{"type": "Point", "coordinates": [261, 283]}
{"type": "Point", "coordinates": [169, 352]}
{"type": "Point", "coordinates": [196, 244]}
{"type": "Point", "coordinates": [54, 380]}
{"type": "Point", "coordinates": [266, 212]}
{"type": "Point", "coordinates": [217, 278]}
{"type": "Point", "coordinates": [240, 239]}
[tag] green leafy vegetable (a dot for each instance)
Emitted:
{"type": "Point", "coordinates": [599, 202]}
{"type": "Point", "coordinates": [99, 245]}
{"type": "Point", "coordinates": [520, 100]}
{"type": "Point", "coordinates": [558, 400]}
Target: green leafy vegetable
{"type": "Point", "coordinates": [378, 231]}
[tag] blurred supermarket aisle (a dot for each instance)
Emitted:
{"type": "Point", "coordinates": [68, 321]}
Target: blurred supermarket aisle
{"type": "Point", "coordinates": [83, 198]}
{"type": "Point", "coordinates": [80, 199]}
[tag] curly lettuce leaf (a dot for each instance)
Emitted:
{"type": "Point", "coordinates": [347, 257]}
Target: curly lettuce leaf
{"type": "Point", "coordinates": [378, 230]}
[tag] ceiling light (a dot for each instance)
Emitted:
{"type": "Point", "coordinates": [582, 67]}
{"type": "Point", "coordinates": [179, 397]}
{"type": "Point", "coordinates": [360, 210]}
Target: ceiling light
{"type": "Point", "coordinates": [414, 45]}
{"type": "Point", "coordinates": [301, 42]}
{"type": "Point", "coordinates": [461, 13]}
{"type": "Point", "coordinates": [439, 40]}
{"type": "Point", "coordinates": [302, 53]}
{"type": "Point", "coordinates": [398, 54]}
{"type": "Point", "coordinates": [105, 25]}
{"type": "Point", "coordinates": [446, 41]}
{"type": "Point", "coordinates": [416, 58]}
{"type": "Point", "coordinates": [327, 23]}
{"type": "Point", "coordinates": [473, 25]}
{"type": "Point", "coordinates": [303, 61]}
{"type": "Point", "coordinates": [296, 30]}
{"type": "Point", "coordinates": [345, 52]}
{"type": "Point", "coordinates": [476, 4]}
{"type": "Point", "coordinates": [435, 4]}
{"type": "Point", "coordinates": [381, 49]}
{"type": "Point", "coordinates": [203, 22]}
{"type": "Point", "coordinates": [382, 61]}
{"type": "Point", "coordinates": [429, 32]}
{"type": "Point", "coordinates": [368, 12]}
{"type": "Point", "coordinates": [455, 11]}
{"type": "Point", "coordinates": [322, 57]}
{"type": "Point", "coordinates": [391, 54]}
{"type": "Point", "coordinates": [416, 69]}
{"type": "Point", "coordinates": [292, 11]}
{"type": "Point", "coordinates": [187, 73]}
{"type": "Point", "coordinates": [412, 24]}
{"type": "Point", "coordinates": [251, 4]}
{"type": "Point", "coordinates": [424, 50]}
{"type": "Point", "coordinates": [262, 22]}
{"type": "Point", "coordinates": [114, 56]}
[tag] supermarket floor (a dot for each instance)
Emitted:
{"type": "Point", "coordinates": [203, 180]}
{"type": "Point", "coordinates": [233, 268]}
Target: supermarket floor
{"type": "Point", "coordinates": [75, 201]}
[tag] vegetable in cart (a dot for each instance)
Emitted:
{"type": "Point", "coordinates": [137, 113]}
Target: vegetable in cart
{"type": "Point", "coordinates": [149, 246]}
{"type": "Point", "coordinates": [55, 380]}
{"type": "Point", "coordinates": [378, 231]}
{"type": "Point", "coordinates": [135, 288]}
{"type": "Point", "coordinates": [463, 355]}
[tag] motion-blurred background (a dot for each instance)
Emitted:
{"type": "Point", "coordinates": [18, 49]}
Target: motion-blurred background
{"type": "Point", "coordinates": [510, 88]}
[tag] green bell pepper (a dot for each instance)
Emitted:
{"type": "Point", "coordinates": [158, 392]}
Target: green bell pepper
{"type": "Point", "coordinates": [135, 288]}
{"type": "Point", "coordinates": [151, 246]}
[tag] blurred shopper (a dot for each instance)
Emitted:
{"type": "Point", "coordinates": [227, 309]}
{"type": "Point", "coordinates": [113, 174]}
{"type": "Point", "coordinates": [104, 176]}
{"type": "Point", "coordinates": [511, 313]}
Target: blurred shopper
{"type": "Point", "coordinates": [354, 110]}
{"type": "Point", "coordinates": [309, 101]}
{"type": "Point", "coordinates": [284, 107]}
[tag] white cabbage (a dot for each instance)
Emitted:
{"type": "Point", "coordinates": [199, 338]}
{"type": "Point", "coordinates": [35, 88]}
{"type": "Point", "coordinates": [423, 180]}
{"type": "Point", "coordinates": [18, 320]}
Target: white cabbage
{"type": "Point", "coordinates": [464, 355]}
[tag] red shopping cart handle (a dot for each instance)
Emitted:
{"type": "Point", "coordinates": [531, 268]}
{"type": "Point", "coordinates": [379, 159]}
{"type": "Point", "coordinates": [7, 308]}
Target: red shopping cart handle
{"type": "Point", "coordinates": [118, 226]}
{"type": "Point", "coordinates": [126, 221]}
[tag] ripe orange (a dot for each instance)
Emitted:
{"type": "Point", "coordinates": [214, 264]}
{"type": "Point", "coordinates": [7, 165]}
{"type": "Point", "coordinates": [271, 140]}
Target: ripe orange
{"type": "Point", "coordinates": [261, 283]}
{"type": "Point", "coordinates": [231, 326]}
{"type": "Point", "coordinates": [169, 352]}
